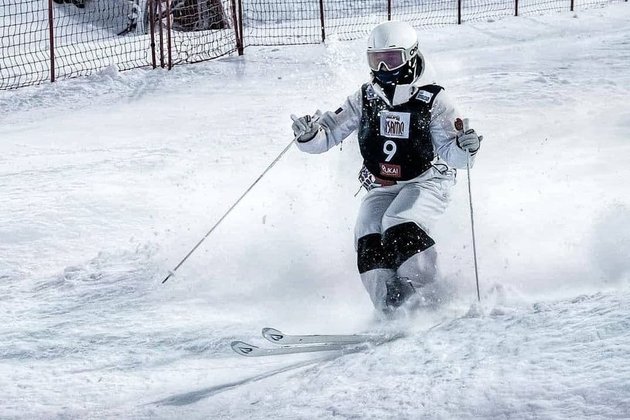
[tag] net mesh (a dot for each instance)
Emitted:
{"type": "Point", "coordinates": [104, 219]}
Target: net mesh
{"type": "Point", "coordinates": [428, 13]}
{"type": "Point", "coordinates": [89, 35]}
{"type": "Point", "coordinates": [24, 43]}
{"type": "Point", "coordinates": [201, 30]}
{"type": "Point", "coordinates": [475, 10]}
{"type": "Point", "coordinates": [269, 22]}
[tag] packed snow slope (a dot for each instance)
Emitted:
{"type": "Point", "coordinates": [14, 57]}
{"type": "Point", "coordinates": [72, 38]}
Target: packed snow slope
{"type": "Point", "coordinates": [108, 181]}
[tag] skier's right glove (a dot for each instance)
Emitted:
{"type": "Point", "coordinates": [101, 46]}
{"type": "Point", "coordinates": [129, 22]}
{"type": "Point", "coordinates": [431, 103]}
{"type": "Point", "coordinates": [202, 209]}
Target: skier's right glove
{"type": "Point", "coordinates": [306, 127]}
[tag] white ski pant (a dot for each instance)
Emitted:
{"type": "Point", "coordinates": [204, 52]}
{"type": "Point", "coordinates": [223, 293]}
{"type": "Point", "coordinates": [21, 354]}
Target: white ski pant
{"type": "Point", "coordinates": [392, 232]}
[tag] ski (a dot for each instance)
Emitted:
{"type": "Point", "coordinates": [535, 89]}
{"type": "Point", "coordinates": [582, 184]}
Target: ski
{"type": "Point", "coordinates": [250, 350]}
{"type": "Point", "coordinates": [293, 344]}
{"type": "Point", "coordinates": [278, 337]}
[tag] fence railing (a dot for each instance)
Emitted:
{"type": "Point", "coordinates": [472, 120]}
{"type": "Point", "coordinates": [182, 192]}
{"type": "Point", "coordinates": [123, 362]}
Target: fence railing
{"type": "Point", "coordinates": [46, 40]}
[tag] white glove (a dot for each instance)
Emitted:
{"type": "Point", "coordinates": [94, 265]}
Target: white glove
{"type": "Point", "coordinates": [306, 127]}
{"type": "Point", "coordinates": [469, 141]}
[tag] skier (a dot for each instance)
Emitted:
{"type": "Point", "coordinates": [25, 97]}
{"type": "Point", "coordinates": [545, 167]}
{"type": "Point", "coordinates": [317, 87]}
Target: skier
{"type": "Point", "coordinates": [411, 138]}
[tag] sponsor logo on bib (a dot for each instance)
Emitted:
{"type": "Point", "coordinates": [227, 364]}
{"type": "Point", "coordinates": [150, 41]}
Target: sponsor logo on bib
{"type": "Point", "coordinates": [424, 96]}
{"type": "Point", "coordinates": [395, 124]}
{"type": "Point", "coordinates": [391, 171]}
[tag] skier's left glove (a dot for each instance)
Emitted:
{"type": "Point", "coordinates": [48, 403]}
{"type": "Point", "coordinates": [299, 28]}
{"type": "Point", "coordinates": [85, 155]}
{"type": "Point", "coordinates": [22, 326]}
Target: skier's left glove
{"type": "Point", "coordinates": [469, 141]}
{"type": "Point", "coordinates": [306, 127]}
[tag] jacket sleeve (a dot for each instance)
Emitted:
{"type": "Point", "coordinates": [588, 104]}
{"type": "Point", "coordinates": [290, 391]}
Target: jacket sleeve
{"type": "Point", "coordinates": [335, 126]}
{"type": "Point", "coordinates": [444, 134]}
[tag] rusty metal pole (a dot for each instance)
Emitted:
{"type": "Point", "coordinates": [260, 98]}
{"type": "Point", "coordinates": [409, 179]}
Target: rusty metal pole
{"type": "Point", "coordinates": [51, 36]}
{"type": "Point", "coordinates": [240, 23]}
{"type": "Point", "coordinates": [321, 18]}
{"type": "Point", "coordinates": [152, 29]}
{"type": "Point", "coordinates": [237, 26]}
{"type": "Point", "coordinates": [168, 34]}
{"type": "Point", "coordinates": [159, 10]}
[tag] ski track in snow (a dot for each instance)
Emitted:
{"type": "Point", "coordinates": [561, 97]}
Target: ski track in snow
{"type": "Point", "coordinates": [109, 180]}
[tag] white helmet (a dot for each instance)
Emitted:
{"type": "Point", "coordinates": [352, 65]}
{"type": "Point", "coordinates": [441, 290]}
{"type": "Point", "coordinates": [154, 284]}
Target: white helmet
{"type": "Point", "coordinates": [393, 54]}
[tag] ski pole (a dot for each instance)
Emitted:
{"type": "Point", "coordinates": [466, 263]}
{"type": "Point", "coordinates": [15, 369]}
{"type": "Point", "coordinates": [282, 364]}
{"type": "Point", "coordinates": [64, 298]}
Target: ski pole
{"type": "Point", "coordinates": [472, 217]}
{"type": "Point", "coordinates": [172, 272]}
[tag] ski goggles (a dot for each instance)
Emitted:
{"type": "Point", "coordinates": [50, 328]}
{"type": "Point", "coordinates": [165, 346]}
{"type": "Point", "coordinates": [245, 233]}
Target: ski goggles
{"type": "Point", "coordinates": [392, 59]}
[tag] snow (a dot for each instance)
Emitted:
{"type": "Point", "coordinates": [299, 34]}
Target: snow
{"type": "Point", "coordinates": [109, 180]}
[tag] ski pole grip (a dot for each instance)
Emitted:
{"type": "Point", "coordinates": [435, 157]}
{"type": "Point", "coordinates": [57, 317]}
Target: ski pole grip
{"type": "Point", "coordinates": [466, 124]}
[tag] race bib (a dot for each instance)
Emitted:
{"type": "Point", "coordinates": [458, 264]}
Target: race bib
{"type": "Point", "coordinates": [395, 124]}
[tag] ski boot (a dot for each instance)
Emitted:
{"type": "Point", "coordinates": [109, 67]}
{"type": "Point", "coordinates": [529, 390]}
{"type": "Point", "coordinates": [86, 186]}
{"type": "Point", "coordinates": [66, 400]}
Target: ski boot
{"type": "Point", "coordinates": [398, 292]}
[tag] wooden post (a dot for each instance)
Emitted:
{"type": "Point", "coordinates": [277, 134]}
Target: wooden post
{"type": "Point", "coordinates": [321, 18]}
{"type": "Point", "coordinates": [51, 36]}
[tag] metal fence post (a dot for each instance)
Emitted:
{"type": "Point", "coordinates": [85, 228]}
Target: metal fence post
{"type": "Point", "coordinates": [169, 34]}
{"type": "Point", "coordinates": [152, 29]}
{"type": "Point", "coordinates": [51, 36]}
{"type": "Point", "coordinates": [240, 23]}
{"type": "Point", "coordinates": [238, 26]}
{"type": "Point", "coordinates": [159, 11]}
{"type": "Point", "coordinates": [321, 18]}
{"type": "Point", "coordinates": [459, 12]}
{"type": "Point", "coordinates": [389, 9]}
{"type": "Point", "coordinates": [515, 7]}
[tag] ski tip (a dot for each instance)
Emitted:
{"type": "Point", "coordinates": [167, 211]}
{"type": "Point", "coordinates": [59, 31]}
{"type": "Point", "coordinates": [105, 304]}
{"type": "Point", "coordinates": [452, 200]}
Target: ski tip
{"type": "Point", "coordinates": [272, 334]}
{"type": "Point", "coordinates": [242, 348]}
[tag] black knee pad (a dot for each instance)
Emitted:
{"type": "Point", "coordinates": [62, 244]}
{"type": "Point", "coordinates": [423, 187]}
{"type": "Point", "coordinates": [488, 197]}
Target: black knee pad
{"type": "Point", "coordinates": [370, 253]}
{"type": "Point", "coordinates": [403, 241]}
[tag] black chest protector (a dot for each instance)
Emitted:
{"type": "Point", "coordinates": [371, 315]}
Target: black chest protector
{"type": "Point", "coordinates": [395, 142]}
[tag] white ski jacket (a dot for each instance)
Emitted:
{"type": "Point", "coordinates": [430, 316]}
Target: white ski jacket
{"type": "Point", "coordinates": [338, 125]}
